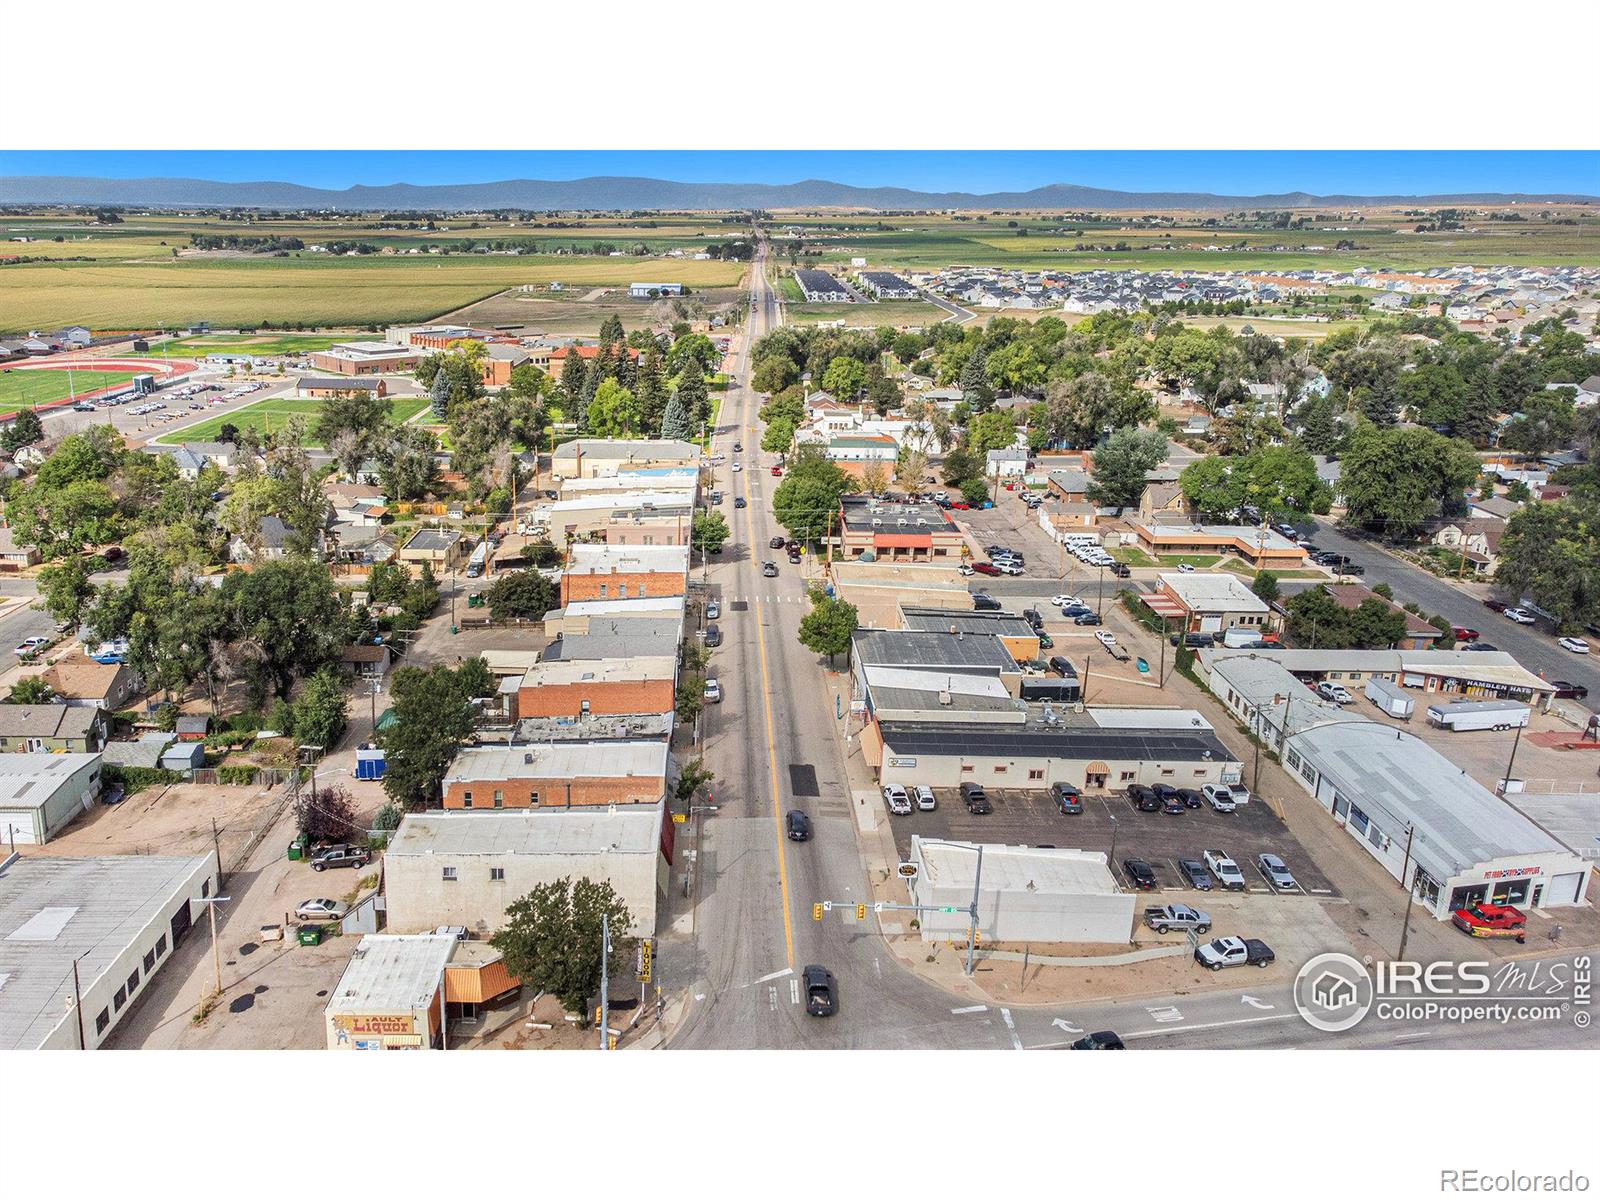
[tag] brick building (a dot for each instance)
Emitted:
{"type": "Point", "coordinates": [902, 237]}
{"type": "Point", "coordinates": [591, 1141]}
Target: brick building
{"type": "Point", "coordinates": [605, 572]}
{"type": "Point", "coordinates": [366, 358]}
{"type": "Point", "coordinates": [567, 775]}
{"type": "Point", "coordinates": [604, 687]}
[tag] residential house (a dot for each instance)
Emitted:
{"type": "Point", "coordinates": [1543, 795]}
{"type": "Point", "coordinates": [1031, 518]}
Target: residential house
{"type": "Point", "coordinates": [1006, 465]}
{"type": "Point", "coordinates": [272, 541]}
{"type": "Point", "coordinates": [1419, 634]}
{"type": "Point", "coordinates": [51, 728]}
{"type": "Point", "coordinates": [80, 682]}
{"type": "Point", "coordinates": [362, 504]}
{"type": "Point", "coordinates": [442, 549]}
{"type": "Point", "coordinates": [1209, 602]}
{"type": "Point", "coordinates": [368, 662]}
{"type": "Point", "coordinates": [1162, 501]}
{"type": "Point", "coordinates": [1481, 536]}
{"type": "Point", "coordinates": [14, 557]}
{"type": "Point", "coordinates": [1497, 508]}
{"type": "Point", "coordinates": [1069, 484]}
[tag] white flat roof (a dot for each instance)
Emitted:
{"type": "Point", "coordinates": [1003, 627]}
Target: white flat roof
{"type": "Point", "coordinates": [1213, 591]}
{"type": "Point", "coordinates": [562, 760]}
{"type": "Point", "coordinates": [54, 910]}
{"type": "Point", "coordinates": [392, 972]}
{"type": "Point", "coordinates": [1490, 666]}
{"type": "Point", "coordinates": [592, 559]}
{"type": "Point", "coordinates": [1251, 534]}
{"type": "Point", "coordinates": [601, 670]}
{"type": "Point", "coordinates": [1148, 718]}
{"type": "Point", "coordinates": [666, 498]}
{"type": "Point", "coordinates": [912, 679]}
{"type": "Point", "coordinates": [634, 829]}
{"type": "Point", "coordinates": [638, 607]}
{"type": "Point", "coordinates": [1014, 868]}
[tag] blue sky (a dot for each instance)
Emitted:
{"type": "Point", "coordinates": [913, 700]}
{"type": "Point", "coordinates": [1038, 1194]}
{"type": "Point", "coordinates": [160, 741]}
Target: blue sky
{"type": "Point", "coordinates": [1232, 172]}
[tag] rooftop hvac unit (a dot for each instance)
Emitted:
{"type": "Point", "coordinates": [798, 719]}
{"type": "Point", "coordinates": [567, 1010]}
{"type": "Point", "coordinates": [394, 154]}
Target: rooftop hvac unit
{"type": "Point", "coordinates": [528, 759]}
{"type": "Point", "coordinates": [944, 698]}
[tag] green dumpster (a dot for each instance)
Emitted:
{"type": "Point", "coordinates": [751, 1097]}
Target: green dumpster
{"type": "Point", "coordinates": [298, 847]}
{"type": "Point", "coordinates": [475, 600]}
{"type": "Point", "coordinates": [310, 935]}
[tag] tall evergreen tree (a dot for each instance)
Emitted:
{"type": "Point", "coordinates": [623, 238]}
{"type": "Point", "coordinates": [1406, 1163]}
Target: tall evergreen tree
{"type": "Point", "coordinates": [1318, 433]}
{"type": "Point", "coordinates": [1479, 408]}
{"type": "Point", "coordinates": [651, 389]}
{"type": "Point", "coordinates": [611, 331]}
{"type": "Point", "coordinates": [696, 401]}
{"type": "Point", "coordinates": [574, 375]}
{"type": "Point", "coordinates": [439, 395]}
{"type": "Point", "coordinates": [975, 387]}
{"type": "Point", "coordinates": [675, 420]}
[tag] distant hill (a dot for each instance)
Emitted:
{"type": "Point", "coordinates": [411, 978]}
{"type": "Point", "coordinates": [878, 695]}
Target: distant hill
{"type": "Point", "coordinates": [622, 192]}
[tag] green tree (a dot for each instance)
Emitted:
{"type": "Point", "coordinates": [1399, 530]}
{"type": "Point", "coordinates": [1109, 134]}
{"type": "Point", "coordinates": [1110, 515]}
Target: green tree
{"type": "Point", "coordinates": [1551, 554]}
{"type": "Point", "coordinates": [974, 491]}
{"type": "Point", "coordinates": [1121, 463]}
{"type": "Point", "coordinates": [808, 498]}
{"type": "Point", "coordinates": [553, 940]}
{"type": "Point", "coordinates": [991, 431]}
{"type": "Point", "coordinates": [320, 710]}
{"type": "Point", "coordinates": [521, 594]}
{"type": "Point", "coordinates": [353, 424]}
{"type": "Point", "coordinates": [652, 391]}
{"type": "Point", "coordinates": [439, 395]}
{"type": "Point", "coordinates": [66, 590]}
{"type": "Point", "coordinates": [844, 378]}
{"type": "Point", "coordinates": [1395, 481]}
{"type": "Point", "coordinates": [696, 401]}
{"type": "Point", "coordinates": [1545, 421]}
{"type": "Point", "coordinates": [408, 466]}
{"type": "Point", "coordinates": [826, 629]}
{"type": "Point", "coordinates": [614, 412]}
{"type": "Point", "coordinates": [433, 716]}
{"type": "Point", "coordinates": [1315, 425]}
{"type": "Point", "coordinates": [777, 437]}
{"type": "Point", "coordinates": [959, 466]}
{"type": "Point", "coordinates": [1265, 586]}
{"type": "Point", "coordinates": [475, 678]}
{"type": "Point", "coordinates": [976, 389]}
{"type": "Point", "coordinates": [774, 374]}
{"type": "Point", "coordinates": [1079, 410]}
{"type": "Point", "coordinates": [709, 531]}
{"type": "Point", "coordinates": [675, 420]}
{"type": "Point", "coordinates": [1276, 480]}
{"type": "Point", "coordinates": [24, 430]}
{"type": "Point", "coordinates": [693, 352]}
{"type": "Point", "coordinates": [31, 689]}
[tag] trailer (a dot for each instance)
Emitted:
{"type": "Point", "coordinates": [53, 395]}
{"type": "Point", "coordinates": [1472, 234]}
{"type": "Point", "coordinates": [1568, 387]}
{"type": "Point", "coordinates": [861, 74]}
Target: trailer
{"type": "Point", "coordinates": [1463, 715]}
{"type": "Point", "coordinates": [1391, 698]}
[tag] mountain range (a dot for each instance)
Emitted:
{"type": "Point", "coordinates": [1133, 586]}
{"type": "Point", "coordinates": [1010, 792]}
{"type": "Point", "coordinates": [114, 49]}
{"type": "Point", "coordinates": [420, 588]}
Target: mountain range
{"type": "Point", "coordinates": [609, 193]}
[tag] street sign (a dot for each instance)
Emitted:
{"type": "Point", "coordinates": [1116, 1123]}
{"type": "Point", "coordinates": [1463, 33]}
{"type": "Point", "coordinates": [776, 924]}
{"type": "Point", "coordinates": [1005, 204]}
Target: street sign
{"type": "Point", "coordinates": [827, 906]}
{"type": "Point", "coordinates": [950, 908]}
{"type": "Point", "coordinates": [908, 870]}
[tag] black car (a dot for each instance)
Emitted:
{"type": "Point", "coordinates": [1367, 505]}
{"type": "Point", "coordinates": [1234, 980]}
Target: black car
{"type": "Point", "coordinates": [1164, 791]}
{"type": "Point", "coordinates": [1569, 691]}
{"type": "Point", "coordinates": [1144, 798]}
{"type": "Point", "coordinates": [983, 602]}
{"type": "Point", "coordinates": [1063, 668]}
{"type": "Point", "coordinates": [821, 993]}
{"type": "Point", "coordinates": [1190, 798]}
{"type": "Point", "coordinates": [1140, 873]}
{"type": "Point", "coordinates": [797, 825]}
{"type": "Point", "coordinates": [1067, 798]}
{"type": "Point", "coordinates": [1087, 618]}
{"type": "Point", "coordinates": [1351, 568]}
{"type": "Point", "coordinates": [1173, 805]}
{"type": "Point", "coordinates": [1195, 874]}
{"type": "Point", "coordinates": [1480, 646]}
{"type": "Point", "coordinates": [977, 803]}
{"type": "Point", "coordinates": [1032, 617]}
{"type": "Point", "coordinates": [1104, 1040]}
{"type": "Point", "coordinates": [712, 637]}
{"type": "Point", "coordinates": [738, 502]}
{"type": "Point", "coordinates": [1121, 571]}
{"type": "Point", "coordinates": [738, 447]}
{"type": "Point", "coordinates": [776, 543]}
{"type": "Point", "coordinates": [996, 551]}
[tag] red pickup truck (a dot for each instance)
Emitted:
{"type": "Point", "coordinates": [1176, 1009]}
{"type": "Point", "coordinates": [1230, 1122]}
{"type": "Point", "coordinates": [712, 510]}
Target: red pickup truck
{"type": "Point", "coordinates": [1491, 921]}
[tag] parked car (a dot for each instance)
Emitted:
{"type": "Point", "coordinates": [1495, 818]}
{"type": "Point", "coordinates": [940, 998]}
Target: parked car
{"type": "Point", "coordinates": [1177, 916]}
{"type": "Point", "coordinates": [1495, 605]}
{"type": "Point", "coordinates": [1194, 641]}
{"type": "Point", "coordinates": [321, 910]}
{"type": "Point", "coordinates": [1220, 796]}
{"type": "Point", "coordinates": [1032, 617]}
{"type": "Point", "coordinates": [1567, 690]}
{"type": "Point", "coordinates": [983, 602]}
{"type": "Point", "coordinates": [1088, 618]}
{"type": "Point", "coordinates": [1574, 645]}
{"type": "Point", "coordinates": [1224, 870]}
{"type": "Point", "coordinates": [899, 803]}
{"type": "Point", "coordinates": [340, 856]}
{"type": "Point", "coordinates": [983, 568]}
{"type": "Point", "coordinates": [1105, 637]}
{"type": "Point", "coordinates": [1067, 798]}
{"type": "Point", "coordinates": [1104, 1040]}
{"type": "Point", "coordinates": [776, 542]}
{"type": "Point", "coordinates": [1062, 600]}
{"type": "Point", "coordinates": [1277, 872]}
{"type": "Point", "coordinates": [1195, 874]}
{"type": "Point", "coordinates": [1190, 798]}
{"type": "Point", "coordinates": [32, 645]}
{"type": "Point", "coordinates": [1491, 921]}
{"type": "Point", "coordinates": [1333, 692]}
{"type": "Point", "coordinates": [711, 635]}
{"type": "Point", "coordinates": [797, 825]}
{"type": "Point", "coordinates": [924, 798]}
{"type": "Point", "coordinates": [976, 801]}
{"type": "Point", "coordinates": [713, 692]}
{"type": "Point", "coordinates": [821, 992]}
{"type": "Point", "coordinates": [1463, 634]}
{"type": "Point", "coordinates": [965, 569]}
{"type": "Point", "coordinates": [1140, 874]}
{"type": "Point", "coordinates": [1234, 952]}
{"type": "Point", "coordinates": [1483, 646]}
{"type": "Point", "coordinates": [1063, 668]}
{"type": "Point", "coordinates": [1520, 615]}
{"type": "Point", "coordinates": [1074, 611]}
{"type": "Point", "coordinates": [713, 609]}
{"type": "Point", "coordinates": [1144, 799]}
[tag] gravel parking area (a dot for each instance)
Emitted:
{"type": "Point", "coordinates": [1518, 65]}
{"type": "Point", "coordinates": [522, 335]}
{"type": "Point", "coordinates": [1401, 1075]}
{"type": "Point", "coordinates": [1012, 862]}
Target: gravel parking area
{"type": "Point", "coordinates": [1029, 818]}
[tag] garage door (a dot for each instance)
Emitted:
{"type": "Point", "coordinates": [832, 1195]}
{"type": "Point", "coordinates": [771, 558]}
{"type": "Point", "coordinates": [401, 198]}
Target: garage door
{"type": "Point", "coordinates": [1564, 889]}
{"type": "Point", "coordinates": [16, 826]}
{"type": "Point", "coordinates": [1210, 624]}
{"type": "Point", "coordinates": [181, 921]}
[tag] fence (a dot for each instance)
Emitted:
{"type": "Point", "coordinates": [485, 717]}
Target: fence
{"type": "Point", "coordinates": [235, 858]}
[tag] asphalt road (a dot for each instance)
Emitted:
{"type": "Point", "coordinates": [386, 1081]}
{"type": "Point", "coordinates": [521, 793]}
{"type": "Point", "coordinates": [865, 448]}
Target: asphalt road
{"type": "Point", "coordinates": [1533, 645]}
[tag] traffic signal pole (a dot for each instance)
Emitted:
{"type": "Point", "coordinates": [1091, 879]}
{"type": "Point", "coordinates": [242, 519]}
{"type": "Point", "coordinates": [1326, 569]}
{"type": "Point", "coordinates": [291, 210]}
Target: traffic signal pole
{"type": "Point", "coordinates": [881, 906]}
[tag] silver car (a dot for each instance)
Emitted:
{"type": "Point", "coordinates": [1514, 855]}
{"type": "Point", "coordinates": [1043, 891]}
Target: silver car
{"type": "Point", "coordinates": [925, 800]}
{"type": "Point", "coordinates": [1277, 872]}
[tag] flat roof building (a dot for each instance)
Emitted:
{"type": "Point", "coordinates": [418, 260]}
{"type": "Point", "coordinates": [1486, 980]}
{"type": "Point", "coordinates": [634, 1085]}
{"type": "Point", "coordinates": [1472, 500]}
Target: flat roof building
{"type": "Point", "coordinates": [598, 687]}
{"type": "Point", "coordinates": [897, 532]}
{"type": "Point", "coordinates": [556, 776]}
{"type": "Point", "coordinates": [585, 458]}
{"type": "Point", "coordinates": [366, 358]}
{"type": "Point", "coordinates": [465, 868]}
{"type": "Point", "coordinates": [391, 995]}
{"type": "Point", "coordinates": [1210, 602]}
{"type": "Point", "coordinates": [1019, 638]}
{"type": "Point", "coordinates": [1259, 547]}
{"type": "Point", "coordinates": [1025, 894]}
{"type": "Point", "coordinates": [118, 918]}
{"type": "Point", "coordinates": [1471, 674]}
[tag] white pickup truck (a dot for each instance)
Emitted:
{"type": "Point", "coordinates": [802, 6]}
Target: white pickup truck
{"type": "Point", "coordinates": [1234, 952]}
{"type": "Point", "coordinates": [1225, 869]}
{"type": "Point", "coordinates": [1177, 916]}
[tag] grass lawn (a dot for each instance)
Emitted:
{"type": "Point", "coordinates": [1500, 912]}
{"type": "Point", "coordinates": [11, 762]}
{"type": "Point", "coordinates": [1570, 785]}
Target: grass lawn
{"type": "Point", "coordinates": [898, 313]}
{"type": "Point", "coordinates": [21, 389]}
{"type": "Point", "coordinates": [1201, 562]}
{"type": "Point", "coordinates": [1240, 567]}
{"type": "Point", "coordinates": [1132, 556]}
{"type": "Point", "coordinates": [789, 289]}
{"type": "Point", "coordinates": [258, 343]}
{"type": "Point", "coordinates": [270, 415]}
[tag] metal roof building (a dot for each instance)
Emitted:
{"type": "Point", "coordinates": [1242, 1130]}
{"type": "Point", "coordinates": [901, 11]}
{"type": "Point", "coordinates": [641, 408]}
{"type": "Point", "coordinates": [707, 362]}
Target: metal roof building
{"type": "Point", "coordinates": [117, 918]}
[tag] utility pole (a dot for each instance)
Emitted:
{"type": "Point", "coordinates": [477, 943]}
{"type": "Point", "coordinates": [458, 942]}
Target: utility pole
{"type": "Point", "coordinates": [1411, 892]}
{"type": "Point", "coordinates": [1515, 742]}
{"type": "Point", "coordinates": [211, 903]}
{"type": "Point", "coordinates": [216, 845]}
{"type": "Point", "coordinates": [605, 978]}
{"type": "Point", "coordinates": [972, 936]}
{"type": "Point", "coordinates": [1100, 594]}
{"type": "Point", "coordinates": [77, 1002]}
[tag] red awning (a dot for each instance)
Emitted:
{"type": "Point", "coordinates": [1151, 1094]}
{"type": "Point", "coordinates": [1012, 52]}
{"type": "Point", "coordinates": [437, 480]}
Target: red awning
{"type": "Point", "coordinates": [902, 541]}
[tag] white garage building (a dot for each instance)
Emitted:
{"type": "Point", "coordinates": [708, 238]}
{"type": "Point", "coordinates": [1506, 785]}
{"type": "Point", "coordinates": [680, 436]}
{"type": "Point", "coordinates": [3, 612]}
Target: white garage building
{"type": "Point", "coordinates": [1025, 894]}
{"type": "Point", "coordinates": [118, 918]}
{"type": "Point", "coordinates": [41, 794]}
{"type": "Point", "coordinates": [465, 868]}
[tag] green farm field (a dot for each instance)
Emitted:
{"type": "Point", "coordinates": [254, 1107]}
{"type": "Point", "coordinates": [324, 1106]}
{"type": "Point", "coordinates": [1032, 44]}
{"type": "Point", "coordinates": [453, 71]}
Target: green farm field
{"type": "Point", "coordinates": [270, 415]}
{"type": "Point", "coordinates": [24, 389]}
{"type": "Point", "coordinates": [899, 313]}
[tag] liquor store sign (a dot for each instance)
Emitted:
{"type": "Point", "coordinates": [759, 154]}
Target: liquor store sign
{"type": "Point", "coordinates": [383, 1025]}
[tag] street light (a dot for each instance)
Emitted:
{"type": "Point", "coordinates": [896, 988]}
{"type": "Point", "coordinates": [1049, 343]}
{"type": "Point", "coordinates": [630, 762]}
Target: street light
{"type": "Point", "coordinates": [211, 903]}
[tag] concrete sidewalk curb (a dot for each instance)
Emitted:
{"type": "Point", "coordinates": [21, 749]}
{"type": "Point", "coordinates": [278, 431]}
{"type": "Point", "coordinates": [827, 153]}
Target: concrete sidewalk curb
{"type": "Point", "coordinates": [1108, 960]}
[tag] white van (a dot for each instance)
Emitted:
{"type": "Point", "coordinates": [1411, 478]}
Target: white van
{"type": "Point", "coordinates": [1241, 635]}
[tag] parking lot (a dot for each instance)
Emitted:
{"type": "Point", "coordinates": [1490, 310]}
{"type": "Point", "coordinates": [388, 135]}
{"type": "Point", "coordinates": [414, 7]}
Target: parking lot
{"type": "Point", "coordinates": [1030, 818]}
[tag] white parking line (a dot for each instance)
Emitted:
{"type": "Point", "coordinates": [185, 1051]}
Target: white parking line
{"type": "Point", "coordinates": [1011, 1028]}
{"type": "Point", "coordinates": [794, 991]}
{"type": "Point", "coordinates": [973, 1008]}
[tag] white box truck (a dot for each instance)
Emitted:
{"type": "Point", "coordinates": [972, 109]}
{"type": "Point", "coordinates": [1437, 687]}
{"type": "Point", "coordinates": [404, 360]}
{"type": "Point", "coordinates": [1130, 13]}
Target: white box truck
{"type": "Point", "coordinates": [1391, 697]}
{"type": "Point", "coordinates": [1478, 714]}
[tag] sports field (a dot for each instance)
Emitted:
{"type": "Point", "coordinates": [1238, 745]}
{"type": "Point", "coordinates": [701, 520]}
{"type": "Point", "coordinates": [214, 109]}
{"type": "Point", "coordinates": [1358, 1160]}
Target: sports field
{"type": "Point", "coordinates": [264, 344]}
{"type": "Point", "coordinates": [24, 389]}
{"type": "Point", "coordinates": [270, 415]}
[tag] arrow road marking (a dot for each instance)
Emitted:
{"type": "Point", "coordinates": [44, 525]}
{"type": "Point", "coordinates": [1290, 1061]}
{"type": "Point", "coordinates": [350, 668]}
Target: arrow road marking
{"type": "Point", "coordinates": [772, 998]}
{"type": "Point", "coordinates": [1254, 1003]}
{"type": "Point", "coordinates": [974, 1008]}
{"type": "Point", "coordinates": [1165, 1016]}
{"type": "Point", "coordinates": [1064, 1027]}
